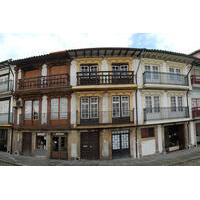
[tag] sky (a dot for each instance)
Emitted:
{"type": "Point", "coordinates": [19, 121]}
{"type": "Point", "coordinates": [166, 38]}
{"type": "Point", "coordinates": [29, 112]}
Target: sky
{"type": "Point", "coordinates": [21, 45]}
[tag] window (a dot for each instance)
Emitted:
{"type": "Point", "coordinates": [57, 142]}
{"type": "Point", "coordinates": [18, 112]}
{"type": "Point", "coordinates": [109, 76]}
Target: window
{"type": "Point", "coordinates": [120, 70]}
{"type": "Point", "coordinates": [28, 110]}
{"type": "Point", "coordinates": [180, 104]}
{"type": "Point", "coordinates": [152, 72]}
{"type": "Point", "coordinates": [148, 104]}
{"type": "Point", "coordinates": [147, 132]}
{"type": "Point", "coordinates": [41, 141]}
{"type": "Point", "coordinates": [59, 108]}
{"type": "Point", "coordinates": [196, 102]}
{"type": "Point", "coordinates": [89, 69]}
{"type": "Point", "coordinates": [120, 106]}
{"type": "Point", "coordinates": [36, 110]}
{"type": "Point", "coordinates": [4, 106]}
{"type": "Point", "coordinates": [173, 104]}
{"type": "Point", "coordinates": [175, 73]}
{"type": "Point", "coordinates": [89, 107]}
{"type": "Point", "coordinates": [156, 104]}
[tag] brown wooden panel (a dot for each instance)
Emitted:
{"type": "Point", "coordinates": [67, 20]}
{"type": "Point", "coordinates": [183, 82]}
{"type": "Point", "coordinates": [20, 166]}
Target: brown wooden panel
{"type": "Point", "coordinates": [54, 70]}
{"type": "Point", "coordinates": [32, 73]}
{"type": "Point", "coordinates": [90, 145]}
{"type": "Point", "coordinates": [27, 143]}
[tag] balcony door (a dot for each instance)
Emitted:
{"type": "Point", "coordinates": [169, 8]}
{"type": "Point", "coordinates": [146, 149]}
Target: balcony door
{"type": "Point", "coordinates": [152, 74]}
{"type": "Point", "coordinates": [120, 73]}
{"type": "Point", "coordinates": [89, 110]}
{"type": "Point", "coordinates": [5, 116]}
{"type": "Point", "coordinates": [120, 109]}
{"type": "Point", "coordinates": [88, 74]}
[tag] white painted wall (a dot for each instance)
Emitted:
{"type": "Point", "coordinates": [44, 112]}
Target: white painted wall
{"type": "Point", "coordinates": [44, 110]}
{"type": "Point", "coordinates": [44, 70]}
{"type": "Point", "coordinates": [192, 133]}
{"type": "Point", "coordinates": [105, 108]}
{"type": "Point", "coordinates": [148, 147]}
{"type": "Point", "coordinates": [73, 70]}
{"type": "Point", "coordinates": [159, 133]}
{"type": "Point", "coordinates": [73, 109]}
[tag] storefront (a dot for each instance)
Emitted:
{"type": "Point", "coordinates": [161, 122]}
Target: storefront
{"type": "Point", "coordinates": [174, 137]}
{"type": "Point", "coordinates": [3, 139]}
{"type": "Point", "coordinates": [41, 144]}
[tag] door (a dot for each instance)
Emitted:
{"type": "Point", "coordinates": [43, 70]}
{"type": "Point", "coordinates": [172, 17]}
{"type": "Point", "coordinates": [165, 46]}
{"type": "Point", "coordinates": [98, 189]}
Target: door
{"type": "Point", "coordinates": [59, 146]}
{"type": "Point", "coordinates": [120, 73]}
{"type": "Point", "coordinates": [198, 133]}
{"type": "Point", "coordinates": [90, 145]}
{"type": "Point", "coordinates": [3, 140]}
{"type": "Point", "coordinates": [120, 143]}
{"type": "Point", "coordinates": [27, 144]}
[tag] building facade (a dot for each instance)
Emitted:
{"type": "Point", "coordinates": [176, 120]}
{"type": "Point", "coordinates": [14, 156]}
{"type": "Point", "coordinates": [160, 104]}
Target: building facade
{"type": "Point", "coordinates": [6, 105]}
{"type": "Point", "coordinates": [104, 103]}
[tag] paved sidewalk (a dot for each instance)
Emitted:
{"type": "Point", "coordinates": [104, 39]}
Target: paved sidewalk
{"type": "Point", "coordinates": [175, 158]}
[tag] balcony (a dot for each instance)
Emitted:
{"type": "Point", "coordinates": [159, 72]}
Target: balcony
{"type": "Point", "coordinates": [195, 79]}
{"type": "Point", "coordinates": [44, 120]}
{"type": "Point", "coordinates": [196, 112]}
{"type": "Point", "coordinates": [6, 86]}
{"type": "Point", "coordinates": [44, 82]}
{"type": "Point", "coordinates": [105, 77]}
{"type": "Point", "coordinates": [6, 118]}
{"type": "Point", "coordinates": [165, 78]}
{"type": "Point", "coordinates": [165, 113]}
{"type": "Point", "coordinates": [106, 117]}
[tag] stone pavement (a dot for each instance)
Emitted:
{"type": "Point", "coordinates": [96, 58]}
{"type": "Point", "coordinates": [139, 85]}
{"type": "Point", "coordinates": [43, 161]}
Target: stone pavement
{"type": "Point", "coordinates": [175, 158]}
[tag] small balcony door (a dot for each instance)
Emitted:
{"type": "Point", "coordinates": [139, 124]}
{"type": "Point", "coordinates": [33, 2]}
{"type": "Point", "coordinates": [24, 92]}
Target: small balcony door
{"type": "Point", "coordinates": [120, 73]}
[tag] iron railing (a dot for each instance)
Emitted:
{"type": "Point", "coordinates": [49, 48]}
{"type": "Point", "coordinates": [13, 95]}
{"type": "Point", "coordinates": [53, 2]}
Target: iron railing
{"type": "Point", "coordinates": [195, 79]}
{"type": "Point", "coordinates": [6, 86]}
{"type": "Point", "coordinates": [105, 77]}
{"type": "Point", "coordinates": [6, 118]}
{"type": "Point", "coordinates": [105, 117]}
{"type": "Point", "coordinates": [43, 82]}
{"type": "Point", "coordinates": [196, 112]}
{"type": "Point", "coordinates": [165, 113]}
{"type": "Point", "coordinates": [165, 78]}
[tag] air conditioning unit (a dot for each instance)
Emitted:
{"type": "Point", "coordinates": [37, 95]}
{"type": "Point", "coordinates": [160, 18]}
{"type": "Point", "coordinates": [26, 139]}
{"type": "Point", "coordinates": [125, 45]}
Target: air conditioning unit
{"type": "Point", "coordinates": [19, 103]}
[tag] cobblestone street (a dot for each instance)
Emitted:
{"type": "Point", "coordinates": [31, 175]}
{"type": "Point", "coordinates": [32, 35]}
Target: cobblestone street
{"type": "Point", "coordinates": [190, 157]}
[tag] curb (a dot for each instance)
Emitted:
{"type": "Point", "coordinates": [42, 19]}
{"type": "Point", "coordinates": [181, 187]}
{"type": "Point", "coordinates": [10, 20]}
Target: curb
{"type": "Point", "coordinates": [8, 162]}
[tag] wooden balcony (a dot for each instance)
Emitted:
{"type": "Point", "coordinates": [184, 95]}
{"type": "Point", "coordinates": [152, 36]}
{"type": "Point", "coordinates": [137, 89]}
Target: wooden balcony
{"type": "Point", "coordinates": [41, 83]}
{"type": "Point", "coordinates": [105, 78]}
{"type": "Point", "coordinates": [44, 121]}
{"type": "Point", "coordinates": [106, 117]}
{"type": "Point", "coordinates": [165, 113]}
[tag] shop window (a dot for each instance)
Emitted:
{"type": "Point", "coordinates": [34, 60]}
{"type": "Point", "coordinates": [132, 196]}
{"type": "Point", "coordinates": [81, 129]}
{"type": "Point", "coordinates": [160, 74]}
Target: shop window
{"type": "Point", "coordinates": [147, 132]}
{"type": "Point", "coordinates": [41, 141]}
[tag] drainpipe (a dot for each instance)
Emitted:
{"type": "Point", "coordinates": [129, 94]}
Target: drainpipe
{"type": "Point", "coordinates": [188, 129]}
{"type": "Point", "coordinates": [136, 109]}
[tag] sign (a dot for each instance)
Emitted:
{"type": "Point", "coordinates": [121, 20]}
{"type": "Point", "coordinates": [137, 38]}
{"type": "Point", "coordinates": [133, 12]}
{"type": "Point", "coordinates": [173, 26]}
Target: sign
{"type": "Point", "coordinates": [41, 134]}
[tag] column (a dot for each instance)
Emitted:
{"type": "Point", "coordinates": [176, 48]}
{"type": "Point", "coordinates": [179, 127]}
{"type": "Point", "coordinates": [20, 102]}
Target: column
{"type": "Point", "coordinates": [44, 110]}
{"type": "Point", "coordinates": [73, 145]}
{"type": "Point", "coordinates": [160, 138]}
{"type": "Point", "coordinates": [73, 70]}
{"type": "Point", "coordinates": [105, 144]}
{"type": "Point", "coordinates": [132, 143]}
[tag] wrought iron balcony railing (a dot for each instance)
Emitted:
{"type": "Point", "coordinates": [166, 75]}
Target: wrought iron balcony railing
{"type": "Point", "coordinates": [195, 79]}
{"type": "Point", "coordinates": [6, 86]}
{"type": "Point", "coordinates": [105, 117]}
{"type": "Point", "coordinates": [196, 112]}
{"type": "Point", "coordinates": [165, 113]}
{"type": "Point", "coordinates": [105, 77]}
{"type": "Point", "coordinates": [165, 78]}
{"type": "Point", "coordinates": [43, 82]}
{"type": "Point", "coordinates": [6, 118]}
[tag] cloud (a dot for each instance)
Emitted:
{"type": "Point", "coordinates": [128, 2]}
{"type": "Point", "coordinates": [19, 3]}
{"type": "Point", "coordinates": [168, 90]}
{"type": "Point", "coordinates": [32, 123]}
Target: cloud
{"type": "Point", "coordinates": [25, 45]}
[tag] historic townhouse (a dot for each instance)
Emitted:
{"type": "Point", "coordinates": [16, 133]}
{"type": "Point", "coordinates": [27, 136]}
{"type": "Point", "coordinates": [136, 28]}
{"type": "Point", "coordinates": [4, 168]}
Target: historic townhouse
{"type": "Point", "coordinates": [42, 105]}
{"type": "Point", "coordinates": [6, 102]}
{"type": "Point", "coordinates": [163, 109]}
{"type": "Point", "coordinates": [102, 103]}
{"type": "Point", "coordinates": [195, 98]}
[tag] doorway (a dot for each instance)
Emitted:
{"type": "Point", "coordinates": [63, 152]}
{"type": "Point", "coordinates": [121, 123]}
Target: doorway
{"type": "Point", "coordinates": [90, 145]}
{"type": "Point", "coordinates": [3, 140]}
{"type": "Point", "coordinates": [174, 137]}
{"type": "Point", "coordinates": [59, 146]}
{"type": "Point", "coordinates": [27, 144]}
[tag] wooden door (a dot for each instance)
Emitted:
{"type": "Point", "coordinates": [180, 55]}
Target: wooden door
{"type": "Point", "coordinates": [27, 143]}
{"type": "Point", "coordinates": [90, 145]}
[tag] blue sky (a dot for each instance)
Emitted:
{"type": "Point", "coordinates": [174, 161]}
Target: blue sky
{"type": "Point", "coordinates": [22, 45]}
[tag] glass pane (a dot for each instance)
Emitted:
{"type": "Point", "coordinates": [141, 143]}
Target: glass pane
{"type": "Point", "coordinates": [115, 141]}
{"type": "Point", "coordinates": [63, 108]}
{"type": "Point", "coordinates": [28, 109]}
{"type": "Point", "coordinates": [35, 110]}
{"type": "Point", "coordinates": [54, 108]}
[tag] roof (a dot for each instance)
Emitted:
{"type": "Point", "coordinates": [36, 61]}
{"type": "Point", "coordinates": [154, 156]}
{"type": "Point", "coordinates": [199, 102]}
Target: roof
{"type": "Point", "coordinates": [5, 64]}
{"type": "Point", "coordinates": [195, 52]}
{"type": "Point", "coordinates": [113, 52]}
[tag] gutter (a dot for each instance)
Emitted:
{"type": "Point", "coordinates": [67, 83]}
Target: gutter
{"type": "Point", "coordinates": [136, 109]}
